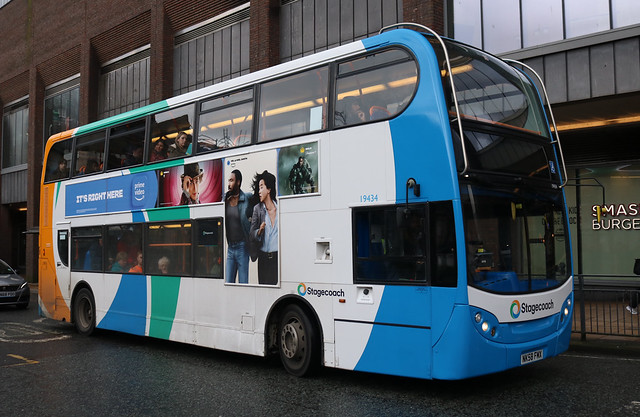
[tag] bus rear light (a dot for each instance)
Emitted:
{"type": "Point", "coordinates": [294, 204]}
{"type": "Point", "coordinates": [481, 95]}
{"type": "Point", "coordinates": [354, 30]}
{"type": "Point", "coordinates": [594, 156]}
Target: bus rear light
{"type": "Point", "coordinates": [478, 317]}
{"type": "Point", "coordinates": [485, 326]}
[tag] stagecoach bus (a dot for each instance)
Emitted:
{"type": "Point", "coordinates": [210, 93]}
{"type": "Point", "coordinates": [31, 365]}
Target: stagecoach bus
{"type": "Point", "coordinates": [394, 205]}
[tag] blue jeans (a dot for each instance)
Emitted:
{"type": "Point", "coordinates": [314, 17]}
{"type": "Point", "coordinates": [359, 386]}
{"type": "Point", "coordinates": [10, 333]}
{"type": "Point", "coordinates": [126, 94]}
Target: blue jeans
{"type": "Point", "coordinates": [237, 262]}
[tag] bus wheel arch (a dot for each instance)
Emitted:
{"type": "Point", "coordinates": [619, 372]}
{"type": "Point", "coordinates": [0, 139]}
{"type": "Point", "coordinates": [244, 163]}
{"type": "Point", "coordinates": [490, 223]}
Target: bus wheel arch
{"type": "Point", "coordinates": [83, 309]}
{"type": "Point", "coordinates": [294, 334]}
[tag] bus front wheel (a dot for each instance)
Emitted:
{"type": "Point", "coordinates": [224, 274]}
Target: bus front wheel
{"type": "Point", "coordinates": [84, 312]}
{"type": "Point", "coordinates": [298, 342]}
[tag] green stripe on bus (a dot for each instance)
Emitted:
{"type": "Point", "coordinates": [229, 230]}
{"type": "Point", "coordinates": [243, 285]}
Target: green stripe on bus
{"type": "Point", "coordinates": [164, 301]}
{"type": "Point", "coordinates": [165, 214]}
{"type": "Point", "coordinates": [130, 115]}
{"type": "Point", "coordinates": [58, 184]}
{"type": "Point", "coordinates": [159, 165]}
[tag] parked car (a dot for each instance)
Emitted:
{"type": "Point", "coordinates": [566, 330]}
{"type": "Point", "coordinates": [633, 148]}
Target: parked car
{"type": "Point", "coordinates": [14, 290]}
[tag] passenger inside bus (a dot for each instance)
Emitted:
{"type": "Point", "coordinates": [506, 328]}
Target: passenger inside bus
{"type": "Point", "coordinates": [350, 112]}
{"type": "Point", "coordinates": [134, 157]}
{"type": "Point", "coordinates": [62, 171]}
{"type": "Point", "coordinates": [163, 265]}
{"type": "Point", "coordinates": [137, 268]}
{"type": "Point", "coordinates": [120, 264]}
{"type": "Point", "coordinates": [180, 147]}
{"type": "Point", "coordinates": [159, 151]}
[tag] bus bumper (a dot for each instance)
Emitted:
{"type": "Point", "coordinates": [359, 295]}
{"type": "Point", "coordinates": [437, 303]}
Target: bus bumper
{"type": "Point", "coordinates": [462, 352]}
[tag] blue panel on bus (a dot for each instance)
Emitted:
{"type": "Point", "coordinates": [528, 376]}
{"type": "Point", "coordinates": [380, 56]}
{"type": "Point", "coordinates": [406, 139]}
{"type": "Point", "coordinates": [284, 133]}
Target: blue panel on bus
{"type": "Point", "coordinates": [421, 136]}
{"type": "Point", "coordinates": [138, 216]}
{"type": "Point", "coordinates": [405, 305]}
{"type": "Point", "coordinates": [389, 352]}
{"type": "Point", "coordinates": [128, 310]}
{"type": "Point", "coordinates": [123, 193]}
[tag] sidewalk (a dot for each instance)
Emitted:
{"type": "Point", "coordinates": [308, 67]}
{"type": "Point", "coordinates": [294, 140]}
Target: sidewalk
{"type": "Point", "coordinates": [608, 345]}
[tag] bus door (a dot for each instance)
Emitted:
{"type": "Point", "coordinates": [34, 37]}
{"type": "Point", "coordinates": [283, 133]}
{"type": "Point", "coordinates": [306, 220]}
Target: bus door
{"type": "Point", "coordinates": [63, 272]}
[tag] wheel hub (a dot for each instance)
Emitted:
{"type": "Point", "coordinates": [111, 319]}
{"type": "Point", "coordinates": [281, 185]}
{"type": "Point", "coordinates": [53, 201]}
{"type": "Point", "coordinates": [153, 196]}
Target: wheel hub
{"type": "Point", "coordinates": [289, 340]}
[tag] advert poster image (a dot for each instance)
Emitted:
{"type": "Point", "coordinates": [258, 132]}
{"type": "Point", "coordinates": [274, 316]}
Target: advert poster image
{"type": "Point", "coordinates": [192, 183]}
{"type": "Point", "coordinates": [298, 169]}
{"type": "Point", "coordinates": [251, 219]}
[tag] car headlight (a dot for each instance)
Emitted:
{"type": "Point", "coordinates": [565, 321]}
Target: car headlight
{"type": "Point", "coordinates": [24, 284]}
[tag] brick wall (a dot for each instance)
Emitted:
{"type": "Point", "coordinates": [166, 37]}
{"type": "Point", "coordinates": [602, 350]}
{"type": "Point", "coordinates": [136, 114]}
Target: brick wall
{"type": "Point", "coordinates": [265, 34]}
{"type": "Point", "coordinates": [429, 13]}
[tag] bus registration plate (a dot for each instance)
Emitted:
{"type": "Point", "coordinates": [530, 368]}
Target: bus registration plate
{"type": "Point", "coordinates": [7, 293]}
{"type": "Point", "coordinates": [536, 355]}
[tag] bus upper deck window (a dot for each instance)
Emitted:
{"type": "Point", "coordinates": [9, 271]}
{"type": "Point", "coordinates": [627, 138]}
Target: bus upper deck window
{"type": "Point", "coordinates": [172, 133]}
{"type": "Point", "coordinates": [374, 87]}
{"type": "Point", "coordinates": [126, 145]}
{"type": "Point", "coordinates": [226, 121]}
{"type": "Point", "coordinates": [294, 105]}
{"type": "Point", "coordinates": [59, 161]}
{"type": "Point", "coordinates": [89, 157]}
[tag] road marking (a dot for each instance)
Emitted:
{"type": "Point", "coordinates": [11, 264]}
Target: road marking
{"type": "Point", "coordinates": [24, 333]}
{"type": "Point", "coordinates": [24, 360]}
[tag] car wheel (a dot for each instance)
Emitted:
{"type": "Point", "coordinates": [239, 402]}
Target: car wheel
{"type": "Point", "coordinates": [84, 312]}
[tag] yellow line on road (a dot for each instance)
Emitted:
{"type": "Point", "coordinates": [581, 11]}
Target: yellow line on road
{"type": "Point", "coordinates": [24, 360]}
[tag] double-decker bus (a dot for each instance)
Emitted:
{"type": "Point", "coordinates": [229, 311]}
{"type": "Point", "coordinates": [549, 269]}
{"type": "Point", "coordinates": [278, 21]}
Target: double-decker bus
{"type": "Point", "coordinates": [394, 205]}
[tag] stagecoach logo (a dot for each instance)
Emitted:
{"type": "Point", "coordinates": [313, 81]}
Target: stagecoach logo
{"type": "Point", "coordinates": [515, 309]}
{"type": "Point", "coordinates": [532, 309]}
{"type": "Point", "coordinates": [304, 290]}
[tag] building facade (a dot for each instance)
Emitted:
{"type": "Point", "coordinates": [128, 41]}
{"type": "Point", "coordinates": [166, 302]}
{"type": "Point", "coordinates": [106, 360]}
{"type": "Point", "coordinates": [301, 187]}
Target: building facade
{"type": "Point", "coordinates": [67, 63]}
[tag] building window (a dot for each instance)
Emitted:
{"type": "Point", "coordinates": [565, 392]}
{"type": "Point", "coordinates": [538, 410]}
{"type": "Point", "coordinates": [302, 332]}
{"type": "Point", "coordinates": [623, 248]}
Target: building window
{"type": "Point", "coordinates": [61, 110]}
{"type": "Point", "coordinates": [124, 84]}
{"type": "Point", "coordinates": [503, 25]}
{"type": "Point", "coordinates": [215, 51]}
{"type": "Point", "coordinates": [15, 131]}
{"type": "Point", "coordinates": [541, 22]}
{"type": "Point", "coordinates": [585, 17]}
{"type": "Point", "coordinates": [624, 13]}
{"type": "Point", "coordinates": [467, 25]}
{"type": "Point", "coordinates": [307, 27]}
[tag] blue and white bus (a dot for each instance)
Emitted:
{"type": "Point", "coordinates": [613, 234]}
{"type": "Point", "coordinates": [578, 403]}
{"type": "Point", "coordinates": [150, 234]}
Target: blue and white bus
{"type": "Point", "coordinates": [394, 205]}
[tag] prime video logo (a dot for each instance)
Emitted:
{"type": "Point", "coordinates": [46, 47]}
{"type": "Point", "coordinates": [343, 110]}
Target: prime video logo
{"type": "Point", "coordinates": [304, 290]}
{"type": "Point", "coordinates": [517, 308]}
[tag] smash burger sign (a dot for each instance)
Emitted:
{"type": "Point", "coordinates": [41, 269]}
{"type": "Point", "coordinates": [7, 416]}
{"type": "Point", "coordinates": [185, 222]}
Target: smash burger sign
{"type": "Point", "coordinates": [616, 217]}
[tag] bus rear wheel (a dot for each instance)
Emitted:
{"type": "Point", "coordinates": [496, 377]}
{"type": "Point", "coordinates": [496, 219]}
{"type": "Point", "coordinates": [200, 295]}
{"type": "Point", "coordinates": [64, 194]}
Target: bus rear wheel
{"type": "Point", "coordinates": [84, 312]}
{"type": "Point", "coordinates": [298, 342]}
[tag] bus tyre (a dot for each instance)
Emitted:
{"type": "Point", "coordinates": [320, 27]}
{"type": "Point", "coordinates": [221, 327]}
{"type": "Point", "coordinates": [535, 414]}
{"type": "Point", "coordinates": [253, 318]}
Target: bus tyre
{"type": "Point", "coordinates": [84, 312]}
{"type": "Point", "coordinates": [298, 342]}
